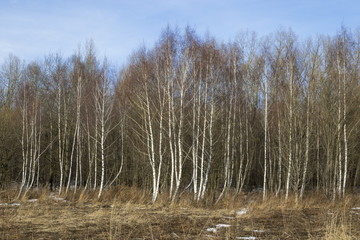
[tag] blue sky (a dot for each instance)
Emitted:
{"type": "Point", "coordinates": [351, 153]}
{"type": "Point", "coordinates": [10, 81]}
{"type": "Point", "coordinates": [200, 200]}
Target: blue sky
{"type": "Point", "coordinates": [31, 29]}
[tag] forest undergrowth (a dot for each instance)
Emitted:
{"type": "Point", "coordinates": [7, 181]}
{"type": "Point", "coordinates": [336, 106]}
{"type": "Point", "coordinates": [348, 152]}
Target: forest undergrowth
{"type": "Point", "coordinates": [127, 213]}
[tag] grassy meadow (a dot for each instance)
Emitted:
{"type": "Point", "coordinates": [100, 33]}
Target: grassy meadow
{"type": "Point", "coordinates": [127, 213]}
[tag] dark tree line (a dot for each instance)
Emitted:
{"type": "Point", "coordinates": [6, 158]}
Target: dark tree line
{"type": "Point", "coordinates": [189, 114]}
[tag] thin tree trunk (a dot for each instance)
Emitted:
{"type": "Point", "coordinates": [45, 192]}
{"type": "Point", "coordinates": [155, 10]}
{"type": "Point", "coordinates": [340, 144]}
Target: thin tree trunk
{"type": "Point", "coordinates": [345, 133]}
{"type": "Point", "coordinates": [306, 143]}
{"type": "Point", "coordinates": [279, 157]}
{"type": "Point", "coordinates": [290, 159]}
{"type": "Point", "coordinates": [265, 135]}
{"type": "Point", "coordinates": [60, 156]}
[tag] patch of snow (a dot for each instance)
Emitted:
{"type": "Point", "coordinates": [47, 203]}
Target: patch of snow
{"type": "Point", "coordinates": [213, 230]}
{"type": "Point", "coordinates": [353, 212]}
{"type": "Point", "coordinates": [246, 238]}
{"type": "Point", "coordinates": [218, 226]}
{"type": "Point", "coordinates": [209, 236]}
{"type": "Point", "coordinates": [11, 204]}
{"type": "Point", "coordinates": [258, 231]}
{"type": "Point", "coordinates": [356, 208]}
{"type": "Point", "coordinates": [228, 217]}
{"type": "Point", "coordinates": [59, 199]}
{"type": "Point", "coordinates": [55, 198]}
{"type": "Point", "coordinates": [174, 235]}
{"type": "Point", "coordinates": [221, 225]}
{"type": "Point", "coordinates": [32, 200]}
{"type": "Point", "coordinates": [242, 212]}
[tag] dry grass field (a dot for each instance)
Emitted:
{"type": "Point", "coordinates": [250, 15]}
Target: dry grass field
{"type": "Point", "coordinates": [126, 213]}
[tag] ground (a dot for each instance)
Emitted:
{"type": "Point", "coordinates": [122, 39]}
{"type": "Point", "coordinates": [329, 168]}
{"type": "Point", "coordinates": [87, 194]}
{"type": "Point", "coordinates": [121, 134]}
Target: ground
{"type": "Point", "coordinates": [57, 218]}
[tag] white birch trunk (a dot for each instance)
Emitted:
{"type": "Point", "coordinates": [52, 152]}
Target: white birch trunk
{"type": "Point", "coordinates": [76, 131]}
{"type": "Point", "coordinates": [303, 183]}
{"type": "Point", "coordinates": [290, 157]}
{"type": "Point", "coordinates": [279, 157]}
{"type": "Point", "coordinates": [339, 147]}
{"type": "Point", "coordinates": [96, 133]}
{"type": "Point", "coordinates": [102, 95]}
{"type": "Point", "coordinates": [344, 128]}
{"type": "Point", "coordinates": [60, 156]}
{"type": "Point", "coordinates": [202, 159]}
{"type": "Point", "coordinates": [266, 133]}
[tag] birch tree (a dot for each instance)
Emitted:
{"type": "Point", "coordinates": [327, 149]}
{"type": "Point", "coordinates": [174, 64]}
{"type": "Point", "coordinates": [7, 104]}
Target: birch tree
{"type": "Point", "coordinates": [31, 127]}
{"type": "Point", "coordinates": [104, 104]}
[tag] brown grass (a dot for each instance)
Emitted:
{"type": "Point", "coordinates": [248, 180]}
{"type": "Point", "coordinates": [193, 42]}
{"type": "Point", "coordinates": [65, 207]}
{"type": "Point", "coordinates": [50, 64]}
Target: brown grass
{"type": "Point", "coordinates": [127, 213]}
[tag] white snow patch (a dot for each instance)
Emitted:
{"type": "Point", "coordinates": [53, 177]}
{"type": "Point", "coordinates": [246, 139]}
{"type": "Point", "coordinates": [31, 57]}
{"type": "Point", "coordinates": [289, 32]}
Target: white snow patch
{"type": "Point", "coordinates": [32, 200]}
{"type": "Point", "coordinates": [221, 225]}
{"type": "Point", "coordinates": [213, 230]}
{"type": "Point", "coordinates": [258, 231]}
{"type": "Point", "coordinates": [228, 217]}
{"type": "Point", "coordinates": [174, 236]}
{"type": "Point", "coordinates": [218, 226]}
{"type": "Point", "coordinates": [59, 199]}
{"type": "Point", "coordinates": [11, 204]}
{"type": "Point", "coordinates": [356, 213]}
{"type": "Point", "coordinates": [246, 237]}
{"type": "Point", "coordinates": [356, 208]}
{"type": "Point", "coordinates": [55, 198]}
{"type": "Point", "coordinates": [242, 212]}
